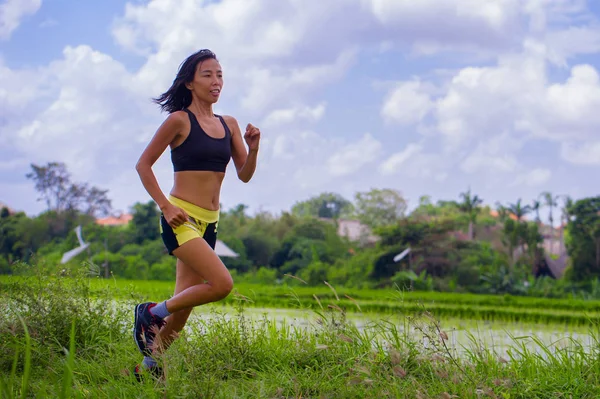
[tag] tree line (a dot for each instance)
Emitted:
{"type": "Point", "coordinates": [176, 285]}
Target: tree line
{"type": "Point", "coordinates": [455, 245]}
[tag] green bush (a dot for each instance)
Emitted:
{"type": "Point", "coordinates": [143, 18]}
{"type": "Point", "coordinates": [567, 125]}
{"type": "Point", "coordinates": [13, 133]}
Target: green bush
{"type": "Point", "coordinates": [48, 303]}
{"type": "Point", "coordinates": [263, 275]}
{"type": "Point", "coordinates": [241, 263]}
{"type": "Point", "coordinates": [407, 280]}
{"type": "Point", "coordinates": [315, 273]}
{"type": "Point", "coordinates": [354, 271]}
{"type": "Point", "coordinates": [164, 270]}
{"type": "Point", "coordinates": [5, 266]}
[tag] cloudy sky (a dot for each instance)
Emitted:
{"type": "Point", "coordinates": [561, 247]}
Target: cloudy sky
{"type": "Point", "coordinates": [426, 97]}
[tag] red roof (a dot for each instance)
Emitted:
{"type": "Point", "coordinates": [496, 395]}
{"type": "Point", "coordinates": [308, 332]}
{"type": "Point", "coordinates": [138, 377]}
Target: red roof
{"type": "Point", "coordinates": [115, 221]}
{"type": "Point", "coordinates": [495, 214]}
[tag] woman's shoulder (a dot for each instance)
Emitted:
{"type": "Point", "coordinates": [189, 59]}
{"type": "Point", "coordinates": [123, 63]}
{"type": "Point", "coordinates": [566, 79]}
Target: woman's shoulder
{"type": "Point", "coordinates": [179, 116]}
{"type": "Point", "coordinates": [229, 118]}
{"type": "Point", "coordinates": [231, 122]}
{"type": "Point", "coordinates": [177, 119]}
{"type": "Point", "coordinates": [175, 123]}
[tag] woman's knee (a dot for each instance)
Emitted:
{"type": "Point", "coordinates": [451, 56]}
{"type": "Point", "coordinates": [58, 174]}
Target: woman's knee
{"type": "Point", "coordinates": [222, 286]}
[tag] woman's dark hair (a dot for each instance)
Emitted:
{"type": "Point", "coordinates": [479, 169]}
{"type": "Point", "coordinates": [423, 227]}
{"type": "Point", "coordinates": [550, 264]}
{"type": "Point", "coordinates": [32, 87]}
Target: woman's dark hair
{"type": "Point", "coordinates": [178, 96]}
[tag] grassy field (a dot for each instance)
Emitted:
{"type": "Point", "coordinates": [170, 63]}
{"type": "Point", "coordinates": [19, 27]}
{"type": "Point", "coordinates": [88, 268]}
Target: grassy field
{"type": "Point", "coordinates": [387, 301]}
{"type": "Point", "coordinates": [64, 337]}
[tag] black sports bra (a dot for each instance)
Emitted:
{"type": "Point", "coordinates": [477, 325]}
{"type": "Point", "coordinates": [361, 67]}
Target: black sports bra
{"type": "Point", "coordinates": [199, 151]}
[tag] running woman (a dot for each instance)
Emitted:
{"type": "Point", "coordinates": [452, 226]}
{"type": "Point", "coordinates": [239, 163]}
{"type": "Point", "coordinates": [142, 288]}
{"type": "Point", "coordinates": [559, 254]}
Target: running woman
{"type": "Point", "coordinates": [201, 143]}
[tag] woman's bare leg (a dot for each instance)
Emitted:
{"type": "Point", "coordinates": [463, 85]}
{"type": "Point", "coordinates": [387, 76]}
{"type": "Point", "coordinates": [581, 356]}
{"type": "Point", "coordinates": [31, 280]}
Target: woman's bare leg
{"type": "Point", "coordinates": [201, 278]}
{"type": "Point", "coordinates": [201, 258]}
{"type": "Point", "coordinates": [185, 277]}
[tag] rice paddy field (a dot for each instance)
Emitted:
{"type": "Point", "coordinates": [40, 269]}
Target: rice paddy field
{"type": "Point", "coordinates": [70, 336]}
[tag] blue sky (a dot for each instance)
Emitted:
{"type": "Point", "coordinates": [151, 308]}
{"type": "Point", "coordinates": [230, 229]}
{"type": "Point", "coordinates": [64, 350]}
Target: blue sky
{"type": "Point", "coordinates": [428, 97]}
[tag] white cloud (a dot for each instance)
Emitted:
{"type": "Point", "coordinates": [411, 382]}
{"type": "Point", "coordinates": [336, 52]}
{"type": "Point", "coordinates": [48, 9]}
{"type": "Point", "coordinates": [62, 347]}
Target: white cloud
{"type": "Point", "coordinates": [545, 12]}
{"type": "Point", "coordinates": [283, 148]}
{"type": "Point", "coordinates": [90, 102]}
{"type": "Point", "coordinates": [570, 110]}
{"type": "Point", "coordinates": [256, 41]}
{"type": "Point", "coordinates": [407, 104]}
{"type": "Point", "coordinates": [565, 43]}
{"type": "Point", "coordinates": [298, 47]}
{"type": "Point", "coordinates": [413, 162]}
{"type": "Point", "coordinates": [21, 88]}
{"type": "Point", "coordinates": [13, 164]}
{"type": "Point", "coordinates": [495, 154]}
{"type": "Point", "coordinates": [479, 27]}
{"type": "Point", "coordinates": [354, 156]}
{"type": "Point", "coordinates": [94, 108]}
{"type": "Point", "coordinates": [280, 58]}
{"type": "Point", "coordinates": [582, 154]}
{"type": "Point", "coordinates": [399, 159]}
{"type": "Point", "coordinates": [268, 87]}
{"type": "Point", "coordinates": [12, 12]}
{"type": "Point", "coordinates": [476, 162]}
{"type": "Point", "coordinates": [513, 101]}
{"type": "Point", "coordinates": [292, 166]}
{"type": "Point", "coordinates": [491, 14]}
{"type": "Point", "coordinates": [534, 178]}
{"type": "Point", "coordinates": [488, 100]}
{"type": "Point", "coordinates": [286, 116]}
{"type": "Point", "coordinates": [48, 23]}
{"type": "Point", "coordinates": [161, 25]}
{"type": "Point", "coordinates": [286, 27]}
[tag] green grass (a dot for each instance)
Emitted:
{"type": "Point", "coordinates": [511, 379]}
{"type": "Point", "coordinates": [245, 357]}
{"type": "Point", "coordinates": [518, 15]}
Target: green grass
{"type": "Point", "coordinates": [69, 341]}
{"type": "Point", "coordinates": [567, 312]}
{"type": "Point", "coordinates": [63, 337]}
{"type": "Point", "coordinates": [387, 301]}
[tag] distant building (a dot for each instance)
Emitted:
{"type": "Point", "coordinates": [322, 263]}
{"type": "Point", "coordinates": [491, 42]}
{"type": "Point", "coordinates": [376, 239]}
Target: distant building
{"type": "Point", "coordinates": [495, 214]}
{"type": "Point", "coordinates": [115, 220]}
{"type": "Point", "coordinates": [353, 230]}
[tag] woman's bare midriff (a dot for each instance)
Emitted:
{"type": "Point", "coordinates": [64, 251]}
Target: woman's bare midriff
{"type": "Point", "coordinates": [201, 188]}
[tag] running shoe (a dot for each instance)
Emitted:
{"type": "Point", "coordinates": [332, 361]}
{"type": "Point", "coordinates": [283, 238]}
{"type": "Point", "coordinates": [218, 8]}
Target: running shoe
{"type": "Point", "coordinates": [143, 333]}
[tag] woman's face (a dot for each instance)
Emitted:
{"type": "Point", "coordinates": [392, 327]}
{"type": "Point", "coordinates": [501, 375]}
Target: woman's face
{"type": "Point", "coordinates": [208, 81]}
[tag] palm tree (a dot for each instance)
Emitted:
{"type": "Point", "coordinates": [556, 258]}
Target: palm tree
{"type": "Point", "coordinates": [550, 201]}
{"type": "Point", "coordinates": [535, 207]}
{"type": "Point", "coordinates": [470, 206]}
{"type": "Point", "coordinates": [502, 211]}
{"type": "Point", "coordinates": [518, 210]}
{"type": "Point", "coordinates": [565, 217]}
{"type": "Point", "coordinates": [514, 232]}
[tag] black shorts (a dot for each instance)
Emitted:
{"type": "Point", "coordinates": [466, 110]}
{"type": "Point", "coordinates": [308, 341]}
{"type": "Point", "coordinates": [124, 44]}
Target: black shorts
{"type": "Point", "coordinates": [196, 226]}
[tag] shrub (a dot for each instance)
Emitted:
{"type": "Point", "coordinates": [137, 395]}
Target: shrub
{"type": "Point", "coordinates": [48, 303]}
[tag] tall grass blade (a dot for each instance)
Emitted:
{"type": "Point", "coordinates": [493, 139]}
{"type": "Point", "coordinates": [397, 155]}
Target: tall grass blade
{"type": "Point", "coordinates": [13, 372]}
{"type": "Point", "coordinates": [27, 369]}
{"type": "Point", "coordinates": [332, 289]}
{"type": "Point", "coordinates": [4, 389]}
{"type": "Point", "coordinates": [68, 374]}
